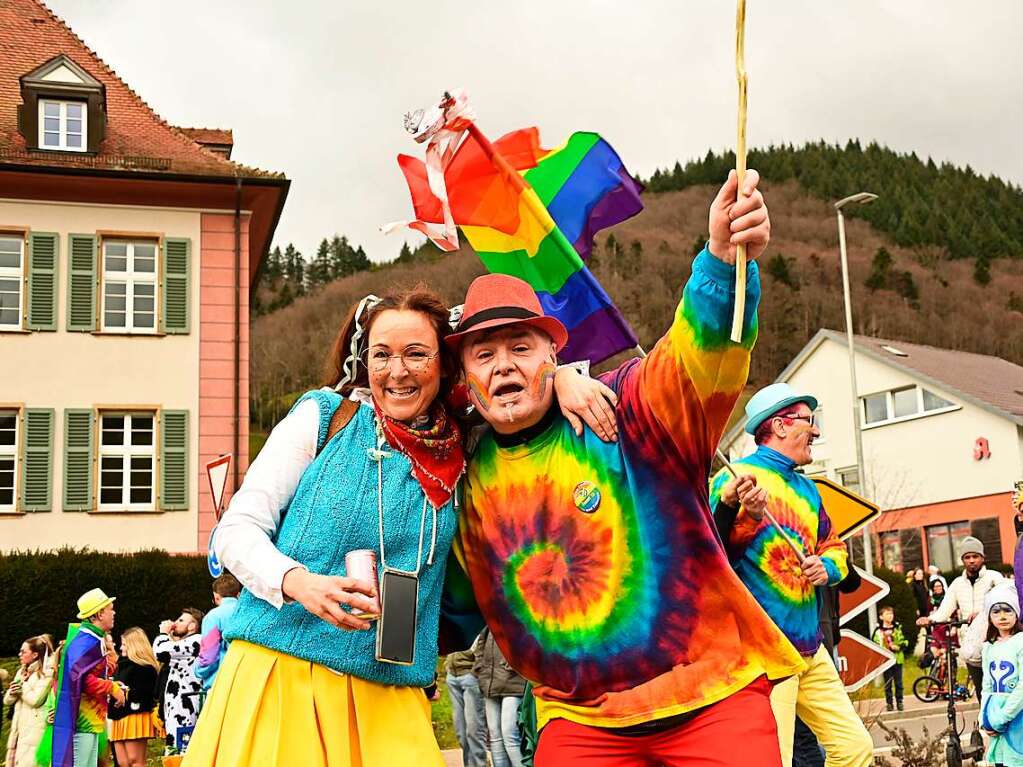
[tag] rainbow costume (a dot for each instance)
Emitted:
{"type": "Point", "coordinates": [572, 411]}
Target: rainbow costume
{"type": "Point", "coordinates": [764, 561]}
{"type": "Point", "coordinates": [81, 691]}
{"type": "Point", "coordinates": [597, 566]}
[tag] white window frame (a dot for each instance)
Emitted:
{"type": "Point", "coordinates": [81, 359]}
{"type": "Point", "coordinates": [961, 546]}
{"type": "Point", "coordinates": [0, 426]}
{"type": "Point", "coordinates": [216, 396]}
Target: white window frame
{"type": "Point", "coordinates": [840, 478]}
{"type": "Point", "coordinates": [12, 451]}
{"type": "Point", "coordinates": [130, 278]}
{"type": "Point", "coordinates": [62, 132]}
{"type": "Point", "coordinates": [890, 407]}
{"type": "Point", "coordinates": [126, 451]}
{"type": "Point", "coordinates": [15, 273]}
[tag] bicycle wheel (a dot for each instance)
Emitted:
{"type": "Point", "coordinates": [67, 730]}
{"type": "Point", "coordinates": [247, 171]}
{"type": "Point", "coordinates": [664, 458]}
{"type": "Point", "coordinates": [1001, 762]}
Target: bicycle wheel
{"type": "Point", "coordinates": [927, 689]}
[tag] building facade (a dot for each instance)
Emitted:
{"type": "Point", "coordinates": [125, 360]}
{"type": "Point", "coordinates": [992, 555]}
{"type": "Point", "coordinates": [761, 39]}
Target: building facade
{"type": "Point", "coordinates": [127, 251]}
{"type": "Point", "coordinates": [942, 438]}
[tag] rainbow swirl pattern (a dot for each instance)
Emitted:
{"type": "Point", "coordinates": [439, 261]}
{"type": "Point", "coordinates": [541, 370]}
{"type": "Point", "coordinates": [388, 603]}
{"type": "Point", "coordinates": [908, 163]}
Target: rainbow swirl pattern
{"type": "Point", "coordinates": [626, 610]}
{"type": "Point", "coordinates": [764, 561]}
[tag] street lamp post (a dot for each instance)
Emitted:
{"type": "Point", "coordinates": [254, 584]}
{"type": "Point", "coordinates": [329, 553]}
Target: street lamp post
{"type": "Point", "coordinates": [860, 198]}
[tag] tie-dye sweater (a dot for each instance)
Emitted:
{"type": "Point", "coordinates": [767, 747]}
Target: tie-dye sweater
{"type": "Point", "coordinates": [597, 566]}
{"type": "Point", "coordinates": [764, 561]}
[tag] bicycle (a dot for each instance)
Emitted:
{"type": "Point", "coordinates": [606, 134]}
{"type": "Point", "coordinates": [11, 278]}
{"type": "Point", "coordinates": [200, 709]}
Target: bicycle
{"type": "Point", "coordinates": [955, 751]}
{"type": "Point", "coordinates": [931, 687]}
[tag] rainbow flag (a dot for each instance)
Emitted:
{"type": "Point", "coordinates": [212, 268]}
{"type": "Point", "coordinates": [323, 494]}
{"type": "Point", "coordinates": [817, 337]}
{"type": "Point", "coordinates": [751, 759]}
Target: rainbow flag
{"type": "Point", "coordinates": [83, 649]}
{"type": "Point", "coordinates": [542, 230]}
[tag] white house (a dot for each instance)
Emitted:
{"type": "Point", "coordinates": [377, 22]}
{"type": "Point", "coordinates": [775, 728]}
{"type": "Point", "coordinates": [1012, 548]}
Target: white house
{"type": "Point", "coordinates": [942, 441]}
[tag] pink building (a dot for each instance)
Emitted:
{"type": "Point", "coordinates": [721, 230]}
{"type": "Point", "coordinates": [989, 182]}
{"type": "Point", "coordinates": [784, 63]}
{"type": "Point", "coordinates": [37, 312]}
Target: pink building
{"type": "Point", "coordinates": [128, 251]}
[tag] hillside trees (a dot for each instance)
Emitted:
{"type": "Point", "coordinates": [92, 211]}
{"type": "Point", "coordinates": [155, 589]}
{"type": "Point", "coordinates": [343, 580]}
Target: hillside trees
{"type": "Point", "coordinates": [919, 203]}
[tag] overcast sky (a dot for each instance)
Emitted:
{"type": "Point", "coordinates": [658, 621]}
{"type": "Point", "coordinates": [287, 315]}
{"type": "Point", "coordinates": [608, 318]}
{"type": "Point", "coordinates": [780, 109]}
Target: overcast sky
{"type": "Point", "coordinates": [317, 88]}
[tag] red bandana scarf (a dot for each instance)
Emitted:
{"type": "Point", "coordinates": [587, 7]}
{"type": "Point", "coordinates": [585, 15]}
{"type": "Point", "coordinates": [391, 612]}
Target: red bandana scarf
{"type": "Point", "coordinates": [435, 452]}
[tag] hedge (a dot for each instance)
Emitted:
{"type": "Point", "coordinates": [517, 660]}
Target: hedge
{"type": "Point", "coordinates": [39, 590]}
{"type": "Point", "coordinates": [900, 597]}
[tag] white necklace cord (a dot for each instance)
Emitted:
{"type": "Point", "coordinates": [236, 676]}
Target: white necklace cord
{"type": "Point", "coordinates": [379, 454]}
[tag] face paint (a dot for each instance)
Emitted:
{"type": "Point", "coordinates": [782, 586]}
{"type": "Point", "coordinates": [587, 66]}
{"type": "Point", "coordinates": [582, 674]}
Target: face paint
{"type": "Point", "coordinates": [544, 374]}
{"type": "Point", "coordinates": [479, 391]}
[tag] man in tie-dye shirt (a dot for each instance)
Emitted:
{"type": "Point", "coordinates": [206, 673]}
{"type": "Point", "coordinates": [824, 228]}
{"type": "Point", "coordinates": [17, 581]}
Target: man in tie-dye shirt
{"type": "Point", "coordinates": [597, 566]}
{"type": "Point", "coordinates": [781, 421]}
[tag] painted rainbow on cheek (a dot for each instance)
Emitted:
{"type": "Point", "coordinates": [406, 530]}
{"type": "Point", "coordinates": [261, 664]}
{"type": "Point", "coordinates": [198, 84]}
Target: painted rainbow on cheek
{"type": "Point", "coordinates": [544, 374]}
{"type": "Point", "coordinates": [478, 392]}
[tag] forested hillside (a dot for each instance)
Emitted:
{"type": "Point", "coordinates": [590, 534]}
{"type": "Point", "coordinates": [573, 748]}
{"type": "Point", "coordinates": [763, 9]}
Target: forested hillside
{"type": "Point", "coordinates": [908, 282]}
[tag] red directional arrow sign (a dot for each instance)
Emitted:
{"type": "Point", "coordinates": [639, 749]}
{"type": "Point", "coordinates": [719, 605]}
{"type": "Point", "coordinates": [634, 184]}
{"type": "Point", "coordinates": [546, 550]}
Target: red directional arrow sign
{"type": "Point", "coordinates": [860, 660]}
{"type": "Point", "coordinates": [871, 590]}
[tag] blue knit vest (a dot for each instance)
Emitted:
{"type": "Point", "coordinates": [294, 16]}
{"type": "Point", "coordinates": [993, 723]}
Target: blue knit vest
{"type": "Point", "coordinates": [333, 511]}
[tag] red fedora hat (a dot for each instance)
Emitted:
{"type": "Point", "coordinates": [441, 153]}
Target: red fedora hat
{"type": "Point", "coordinates": [494, 300]}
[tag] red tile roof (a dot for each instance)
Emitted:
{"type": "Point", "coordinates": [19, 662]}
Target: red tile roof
{"type": "Point", "coordinates": [209, 135]}
{"type": "Point", "coordinates": [137, 139]}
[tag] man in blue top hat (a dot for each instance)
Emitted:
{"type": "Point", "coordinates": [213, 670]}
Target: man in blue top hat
{"type": "Point", "coordinates": [783, 581]}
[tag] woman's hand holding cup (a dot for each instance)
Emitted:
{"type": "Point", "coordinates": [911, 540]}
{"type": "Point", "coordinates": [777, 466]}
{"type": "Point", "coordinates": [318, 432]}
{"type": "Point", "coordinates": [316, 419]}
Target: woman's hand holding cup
{"type": "Point", "coordinates": [324, 595]}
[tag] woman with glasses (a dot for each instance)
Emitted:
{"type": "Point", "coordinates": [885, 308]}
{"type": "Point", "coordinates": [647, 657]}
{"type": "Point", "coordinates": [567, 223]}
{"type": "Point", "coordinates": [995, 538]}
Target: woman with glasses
{"type": "Point", "coordinates": [369, 464]}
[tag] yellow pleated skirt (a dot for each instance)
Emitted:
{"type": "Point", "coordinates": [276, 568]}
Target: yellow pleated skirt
{"type": "Point", "coordinates": [268, 709]}
{"type": "Point", "coordinates": [134, 727]}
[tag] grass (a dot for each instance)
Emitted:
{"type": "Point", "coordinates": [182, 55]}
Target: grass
{"type": "Point", "coordinates": [911, 671]}
{"type": "Point", "coordinates": [443, 727]}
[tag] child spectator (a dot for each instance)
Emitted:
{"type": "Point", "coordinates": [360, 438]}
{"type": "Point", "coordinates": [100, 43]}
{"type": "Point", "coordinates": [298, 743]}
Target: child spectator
{"type": "Point", "coordinates": [1002, 693]}
{"type": "Point", "coordinates": [132, 723]}
{"type": "Point", "coordinates": [177, 648]}
{"type": "Point", "coordinates": [889, 635]}
{"type": "Point", "coordinates": [212, 646]}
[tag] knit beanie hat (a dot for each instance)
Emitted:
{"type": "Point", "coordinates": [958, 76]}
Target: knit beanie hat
{"type": "Point", "coordinates": [970, 545]}
{"type": "Point", "coordinates": [1003, 593]}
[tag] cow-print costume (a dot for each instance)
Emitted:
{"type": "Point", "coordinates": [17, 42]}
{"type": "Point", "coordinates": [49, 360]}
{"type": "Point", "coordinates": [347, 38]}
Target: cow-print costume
{"type": "Point", "coordinates": [181, 696]}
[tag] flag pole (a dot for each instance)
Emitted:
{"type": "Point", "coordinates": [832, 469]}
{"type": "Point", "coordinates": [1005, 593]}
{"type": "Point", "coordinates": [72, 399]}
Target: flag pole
{"type": "Point", "coordinates": [740, 167]}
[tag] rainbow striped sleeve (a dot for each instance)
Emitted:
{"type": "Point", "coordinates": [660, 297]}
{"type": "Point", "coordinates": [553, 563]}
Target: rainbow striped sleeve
{"type": "Point", "coordinates": [694, 375]}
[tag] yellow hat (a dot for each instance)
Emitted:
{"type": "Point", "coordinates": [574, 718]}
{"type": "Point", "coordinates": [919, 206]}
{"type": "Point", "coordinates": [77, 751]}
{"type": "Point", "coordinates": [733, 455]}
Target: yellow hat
{"type": "Point", "coordinates": [91, 602]}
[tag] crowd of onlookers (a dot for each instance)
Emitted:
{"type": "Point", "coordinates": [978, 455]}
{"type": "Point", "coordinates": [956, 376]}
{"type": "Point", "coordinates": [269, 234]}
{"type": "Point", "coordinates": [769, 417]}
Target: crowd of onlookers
{"type": "Point", "coordinates": [487, 705]}
{"type": "Point", "coordinates": [151, 688]}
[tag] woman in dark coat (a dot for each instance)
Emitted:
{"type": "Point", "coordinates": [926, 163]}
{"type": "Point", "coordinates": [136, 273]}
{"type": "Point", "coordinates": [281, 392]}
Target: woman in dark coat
{"type": "Point", "coordinates": [132, 723]}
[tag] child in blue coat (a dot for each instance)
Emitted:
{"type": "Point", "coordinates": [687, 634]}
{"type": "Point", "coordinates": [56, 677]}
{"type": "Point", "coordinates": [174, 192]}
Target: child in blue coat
{"type": "Point", "coordinates": [1002, 695]}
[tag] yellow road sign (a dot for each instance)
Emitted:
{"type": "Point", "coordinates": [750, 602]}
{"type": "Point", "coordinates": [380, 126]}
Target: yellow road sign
{"type": "Point", "coordinates": [848, 512]}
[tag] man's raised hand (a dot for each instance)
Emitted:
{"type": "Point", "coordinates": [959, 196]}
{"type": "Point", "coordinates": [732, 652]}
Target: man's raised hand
{"type": "Point", "coordinates": [733, 221]}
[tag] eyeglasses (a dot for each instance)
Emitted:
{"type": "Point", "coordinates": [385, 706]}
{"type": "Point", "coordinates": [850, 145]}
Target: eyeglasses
{"type": "Point", "coordinates": [414, 359]}
{"type": "Point", "coordinates": [810, 419]}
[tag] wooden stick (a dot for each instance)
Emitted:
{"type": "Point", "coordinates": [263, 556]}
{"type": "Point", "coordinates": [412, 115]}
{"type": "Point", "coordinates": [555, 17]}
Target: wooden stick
{"type": "Point", "coordinates": [740, 167]}
{"type": "Point", "coordinates": [770, 517]}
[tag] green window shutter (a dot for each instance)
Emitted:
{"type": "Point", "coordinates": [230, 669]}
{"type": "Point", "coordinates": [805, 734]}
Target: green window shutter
{"type": "Point", "coordinates": [42, 281]}
{"type": "Point", "coordinates": [79, 436]}
{"type": "Point", "coordinates": [174, 460]}
{"type": "Point", "coordinates": [81, 282]}
{"type": "Point", "coordinates": [176, 265]}
{"type": "Point", "coordinates": [37, 461]}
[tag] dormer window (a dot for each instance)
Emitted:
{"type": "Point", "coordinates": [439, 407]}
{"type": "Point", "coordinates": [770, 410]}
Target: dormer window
{"type": "Point", "coordinates": [63, 125]}
{"type": "Point", "coordinates": [63, 108]}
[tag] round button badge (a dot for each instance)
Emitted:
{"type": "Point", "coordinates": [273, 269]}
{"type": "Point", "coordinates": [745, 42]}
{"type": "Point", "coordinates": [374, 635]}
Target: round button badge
{"type": "Point", "coordinates": [586, 497]}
